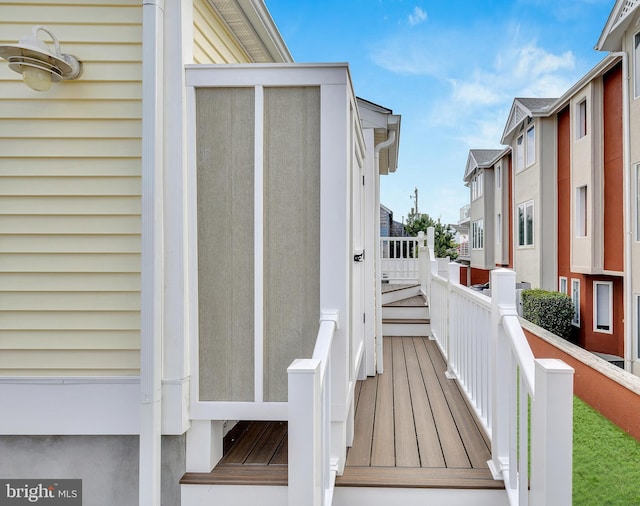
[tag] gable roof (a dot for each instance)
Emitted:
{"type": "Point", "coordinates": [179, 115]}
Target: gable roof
{"type": "Point", "coordinates": [526, 108]}
{"type": "Point", "coordinates": [619, 19]}
{"type": "Point", "coordinates": [482, 159]}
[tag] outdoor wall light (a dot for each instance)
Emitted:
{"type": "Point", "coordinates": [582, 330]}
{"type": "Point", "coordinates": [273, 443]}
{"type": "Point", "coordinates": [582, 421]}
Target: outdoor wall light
{"type": "Point", "coordinates": [38, 65]}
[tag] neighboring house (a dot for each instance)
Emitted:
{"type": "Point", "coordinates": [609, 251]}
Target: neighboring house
{"type": "Point", "coordinates": [388, 226]}
{"type": "Point", "coordinates": [486, 174]}
{"type": "Point", "coordinates": [621, 37]}
{"type": "Point", "coordinates": [590, 208]}
{"type": "Point", "coordinates": [530, 133]}
{"type": "Point", "coordinates": [148, 300]}
{"type": "Point", "coordinates": [574, 193]}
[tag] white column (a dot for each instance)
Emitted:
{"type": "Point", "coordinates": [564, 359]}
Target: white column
{"type": "Point", "coordinates": [204, 445]}
{"type": "Point", "coordinates": [552, 434]}
{"type": "Point", "coordinates": [304, 432]}
{"type": "Point", "coordinates": [503, 291]}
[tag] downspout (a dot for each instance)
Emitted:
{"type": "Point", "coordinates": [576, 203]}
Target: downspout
{"type": "Point", "coordinates": [627, 200]}
{"type": "Point", "coordinates": [379, 360]}
{"type": "Point", "coordinates": [149, 490]}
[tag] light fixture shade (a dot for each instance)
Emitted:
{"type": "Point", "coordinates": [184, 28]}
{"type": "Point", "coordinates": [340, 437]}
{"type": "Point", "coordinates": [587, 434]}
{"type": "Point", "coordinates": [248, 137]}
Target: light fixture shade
{"type": "Point", "coordinates": [32, 58]}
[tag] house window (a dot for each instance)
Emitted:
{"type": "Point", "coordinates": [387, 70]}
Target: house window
{"type": "Point", "coordinates": [581, 211]}
{"type": "Point", "coordinates": [636, 62]}
{"type": "Point", "coordinates": [498, 176]}
{"type": "Point", "coordinates": [582, 119]}
{"type": "Point", "coordinates": [520, 153]}
{"type": "Point", "coordinates": [499, 228]}
{"type": "Point", "coordinates": [477, 234]}
{"type": "Point", "coordinates": [602, 306]}
{"type": "Point", "coordinates": [575, 297]}
{"type": "Point", "coordinates": [531, 146]}
{"type": "Point", "coordinates": [637, 213]}
{"type": "Point", "coordinates": [525, 224]}
{"type": "Point", "coordinates": [477, 184]}
{"type": "Point", "coordinates": [562, 284]}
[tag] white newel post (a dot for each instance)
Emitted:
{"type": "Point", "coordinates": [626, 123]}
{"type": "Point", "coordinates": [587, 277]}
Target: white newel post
{"type": "Point", "coordinates": [305, 439]}
{"type": "Point", "coordinates": [503, 293]}
{"type": "Point", "coordinates": [552, 434]}
{"type": "Point", "coordinates": [453, 278]}
{"type": "Point", "coordinates": [423, 263]}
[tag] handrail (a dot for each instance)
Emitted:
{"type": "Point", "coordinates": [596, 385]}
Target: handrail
{"type": "Point", "coordinates": [310, 470]}
{"type": "Point", "coordinates": [513, 393]}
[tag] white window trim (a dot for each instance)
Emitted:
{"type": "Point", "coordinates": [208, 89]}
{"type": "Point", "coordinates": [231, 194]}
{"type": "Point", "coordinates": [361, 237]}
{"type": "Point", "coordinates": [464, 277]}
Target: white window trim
{"type": "Point", "coordinates": [530, 149]}
{"type": "Point", "coordinates": [636, 67]}
{"type": "Point", "coordinates": [595, 307]}
{"type": "Point", "coordinates": [498, 173]}
{"type": "Point", "coordinates": [576, 320]}
{"type": "Point", "coordinates": [477, 234]}
{"type": "Point", "coordinates": [563, 280]}
{"type": "Point", "coordinates": [637, 202]}
{"type": "Point", "coordinates": [580, 121]}
{"type": "Point", "coordinates": [581, 210]}
{"type": "Point", "coordinates": [520, 154]}
{"type": "Point", "coordinates": [524, 244]}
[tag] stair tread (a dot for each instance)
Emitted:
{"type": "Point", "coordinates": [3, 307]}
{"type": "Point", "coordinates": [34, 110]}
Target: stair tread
{"type": "Point", "coordinates": [416, 301]}
{"type": "Point", "coordinates": [407, 320]}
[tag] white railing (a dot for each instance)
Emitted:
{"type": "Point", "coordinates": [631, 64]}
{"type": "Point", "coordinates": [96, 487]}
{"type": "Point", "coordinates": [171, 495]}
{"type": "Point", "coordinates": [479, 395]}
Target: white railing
{"type": "Point", "coordinates": [399, 258]}
{"type": "Point", "coordinates": [312, 468]}
{"type": "Point", "coordinates": [513, 394]}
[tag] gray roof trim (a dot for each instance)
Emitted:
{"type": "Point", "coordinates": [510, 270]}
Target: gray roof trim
{"type": "Point", "coordinates": [482, 159]}
{"type": "Point", "coordinates": [523, 108]}
{"type": "Point", "coordinates": [601, 67]}
{"type": "Point", "coordinates": [619, 19]}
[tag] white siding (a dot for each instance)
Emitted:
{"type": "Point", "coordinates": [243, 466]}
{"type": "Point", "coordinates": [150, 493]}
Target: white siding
{"type": "Point", "coordinates": [70, 196]}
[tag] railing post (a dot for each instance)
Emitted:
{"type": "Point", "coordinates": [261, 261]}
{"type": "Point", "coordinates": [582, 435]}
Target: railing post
{"type": "Point", "coordinates": [305, 438]}
{"type": "Point", "coordinates": [552, 434]}
{"type": "Point", "coordinates": [503, 289]}
{"type": "Point", "coordinates": [453, 278]}
{"type": "Point", "coordinates": [423, 262]}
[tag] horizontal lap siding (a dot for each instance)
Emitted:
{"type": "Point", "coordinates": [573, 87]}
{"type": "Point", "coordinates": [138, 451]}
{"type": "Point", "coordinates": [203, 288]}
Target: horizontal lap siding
{"type": "Point", "coordinates": [213, 43]}
{"type": "Point", "coordinates": [70, 165]}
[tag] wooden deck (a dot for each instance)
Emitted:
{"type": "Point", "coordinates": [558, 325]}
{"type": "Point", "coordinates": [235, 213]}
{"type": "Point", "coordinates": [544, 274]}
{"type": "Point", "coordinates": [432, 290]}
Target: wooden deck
{"type": "Point", "coordinates": [412, 429]}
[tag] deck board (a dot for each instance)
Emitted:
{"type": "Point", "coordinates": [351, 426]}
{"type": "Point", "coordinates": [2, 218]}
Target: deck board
{"type": "Point", "coordinates": [412, 428]}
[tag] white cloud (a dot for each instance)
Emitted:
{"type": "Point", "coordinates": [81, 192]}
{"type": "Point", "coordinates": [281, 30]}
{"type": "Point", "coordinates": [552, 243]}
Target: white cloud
{"type": "Point", "coordinates": [417, 16]}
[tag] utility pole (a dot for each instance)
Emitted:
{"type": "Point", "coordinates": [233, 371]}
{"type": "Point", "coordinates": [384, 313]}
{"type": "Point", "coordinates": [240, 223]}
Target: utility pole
{"type": "Point", "coordinates": [414, 197]}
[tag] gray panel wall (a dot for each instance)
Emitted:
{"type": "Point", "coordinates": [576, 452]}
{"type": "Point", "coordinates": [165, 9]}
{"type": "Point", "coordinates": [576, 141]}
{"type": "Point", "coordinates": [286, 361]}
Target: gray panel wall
{"type": "Point", "coordinates": [225, 166]}
{"type": "Point", "coordinates": [292, 231]}
{"type": "Point", "coordinates": [107, 465]}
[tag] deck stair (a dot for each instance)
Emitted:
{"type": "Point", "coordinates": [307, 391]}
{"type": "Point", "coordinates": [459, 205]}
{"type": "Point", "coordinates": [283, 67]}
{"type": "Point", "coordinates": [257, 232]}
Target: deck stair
{"type": "Point", "coordinates": [404, 311]}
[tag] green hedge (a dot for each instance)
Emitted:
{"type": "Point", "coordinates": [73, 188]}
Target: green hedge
{"type": "Point", "coordinates": [553, 311]}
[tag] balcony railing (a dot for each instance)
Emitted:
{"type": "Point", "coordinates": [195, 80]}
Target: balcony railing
{"type": "Point", "coordinates": [513, 394]}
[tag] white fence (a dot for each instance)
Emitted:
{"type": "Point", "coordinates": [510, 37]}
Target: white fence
{"type": "Point", "coordinates": [312, 470]}
{"type": "Point", "coordinates": [399, 259]}
{"type": "Point", "coordinates": [513, 394]}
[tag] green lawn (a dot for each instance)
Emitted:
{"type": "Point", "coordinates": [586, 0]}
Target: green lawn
{"type": "Point", "coordinates": [606, 460]}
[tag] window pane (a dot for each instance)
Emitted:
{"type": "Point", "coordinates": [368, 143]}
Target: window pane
{"type": "Point", "coordinates": [520, 153]}
{"type": "Point", "coordinates": [603, 298]}
{"type": "Point", "coordinates": [575, 297]}
{"type": "Point", "coordinates": [636, 60]}
{"type": "Point", "coordinates": [529, 224]}
{"type": "Point", "coordinates": [582, 119]}
{"type": "Point", "coordinates": [521, 225]}
{"type": "Point", "coordinates": [531, 146]}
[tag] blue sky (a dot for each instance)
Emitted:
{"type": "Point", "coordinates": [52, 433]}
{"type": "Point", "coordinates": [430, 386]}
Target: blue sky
{"type": "Point", "coordinates": [451, 74]}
